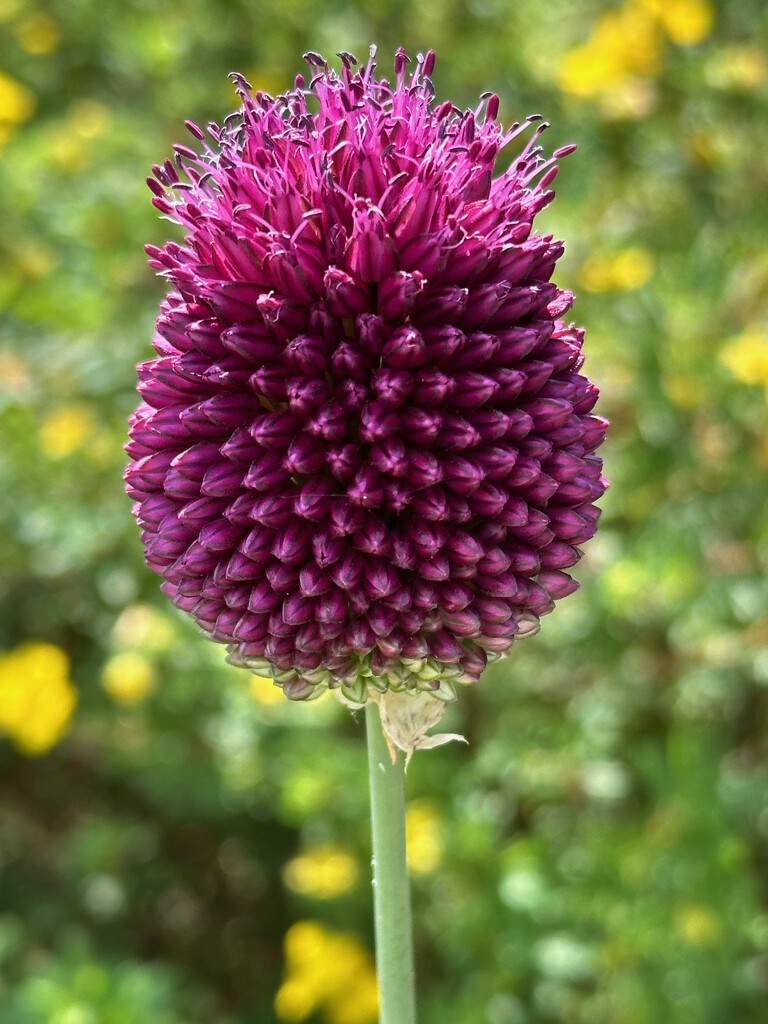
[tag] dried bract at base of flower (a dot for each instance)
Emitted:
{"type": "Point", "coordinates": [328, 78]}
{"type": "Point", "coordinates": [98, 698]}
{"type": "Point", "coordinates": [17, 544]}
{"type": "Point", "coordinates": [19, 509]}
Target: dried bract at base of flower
{"type": "Point", "coordinates": [406, 719]}
{"type": "Point", "coordinates": [364, 456]}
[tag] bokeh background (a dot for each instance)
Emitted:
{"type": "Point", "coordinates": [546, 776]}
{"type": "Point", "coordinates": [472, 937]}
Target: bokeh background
{"type": "Point", "coordinates": [179, 845]}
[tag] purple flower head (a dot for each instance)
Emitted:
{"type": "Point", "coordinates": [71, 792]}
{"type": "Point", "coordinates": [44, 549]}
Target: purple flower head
{"type": "Point", "coordinates": [364, 455]}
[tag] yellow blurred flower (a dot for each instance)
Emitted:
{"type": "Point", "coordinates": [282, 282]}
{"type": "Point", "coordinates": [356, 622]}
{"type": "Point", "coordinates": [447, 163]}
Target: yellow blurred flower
{"type": "Point", "coordinates": [265, 691]}
{"type": "Point", "coordinates": [629, 98]}
{"type": "Point", "coordinates": [746, 356]}
{"type": "Point", "coordinates": [685, 389]}
{"type": "Point", "coordinates": [625, 48]}
{"type": "Point", "coordinates": [9, 9]}
{"type": "Point", "coordinates": [102, 451]}
{"type": "Point", "coordinates": [632, 36]}
{"type": "Point", "coordinates": [595, 274]}
{"type": "Point", "coordinates": [619, 271]}
{"type": "Point", "coordinates": [34, 258]}
{"type": "Point", "coordinates": [737, 67]}
{"type": "Point", "coordinates": [662, 584]}
{"type": "Point", "coordinates": [65, 430]}
{"type": "Point", "coordinates": [587, 71]}
{"type": "Point", "coordinates": [37, 697]}
{"type": "Point", "coordinates": [323, 872]}
{"type": "Point", "coordinates": [685, 21]}
{"type": "Point", "coordinates": [631, 268]}
{"type": "Point", "coordinates": [88, 118]}
{"type": "Point", "coordinates": [17, 104]}
{"type": "Point", "coordinates": [144, 627]}
{"type": "Point", "coordinates": [66, 149]}
{"type": "Point", "coordinates": [128, 677]}
{"type": "Point", "coordinates": [361, 1004]}
{"type": "Point", "coordinates": [38, 33]}
{"type": "Point", "coordinates": [702, 147]}
{"type": "Point", "coordinates": [424, 841]}
{"type": "Point", "coordinates": [698, 925]}
{"type": "Point", "coordinates": [327, 971]}
{"type": "Point", "coordinates": [70, 141]}
{"type": "Point", "coordinates": [623, 44]}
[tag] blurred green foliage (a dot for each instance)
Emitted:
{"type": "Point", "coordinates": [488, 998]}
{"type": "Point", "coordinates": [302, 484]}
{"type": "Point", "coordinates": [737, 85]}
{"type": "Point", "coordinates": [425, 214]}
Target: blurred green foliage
{"type": "Point", "coordinates": [599, 853]}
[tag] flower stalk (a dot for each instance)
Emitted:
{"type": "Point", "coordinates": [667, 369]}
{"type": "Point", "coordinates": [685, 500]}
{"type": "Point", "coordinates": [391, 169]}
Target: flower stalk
{"type": "Point", "coordinates": [391, 890]}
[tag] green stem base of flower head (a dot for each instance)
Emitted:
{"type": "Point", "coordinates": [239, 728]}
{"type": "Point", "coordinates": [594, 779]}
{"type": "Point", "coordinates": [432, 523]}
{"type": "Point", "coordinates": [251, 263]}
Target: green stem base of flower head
{"type": "Point", "coordinates": [391, 890]}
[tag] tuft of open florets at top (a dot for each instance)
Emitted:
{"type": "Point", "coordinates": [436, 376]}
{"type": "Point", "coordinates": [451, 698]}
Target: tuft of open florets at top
{"type": "Point", "coordinates": [364, 455]}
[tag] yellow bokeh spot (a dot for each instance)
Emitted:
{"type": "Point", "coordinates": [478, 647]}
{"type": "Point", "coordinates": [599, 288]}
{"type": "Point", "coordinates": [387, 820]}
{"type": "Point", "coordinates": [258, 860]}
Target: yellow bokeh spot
{"type": "Point", "coordinates": [323, 873]}
{"type": "Point", "coordinates": [746, 356]}
{"type": "Point", "coordinates": [653, 7]}
{"type": "Point", "coordinates": [595, 274]}
{"type": "Point", "coordinates": [632, 267]}
{"type": "Point", "coordinates": [295, 1000]}
{"type": "Point", "coordinates": [67, 149]}
{"type": "Point", "coordinates": [623, 580]}
{"type": "Point", "coordinates": [737, 67]}
{"type": "Point", "coordinates": [703, 147]}
{"type": "Point", "coordinates": [69, 142]}
{"type": "Point", "coordinates": [361, 1007]}
{"type": "Point", "coordinates": [144, 627]}
{"type": "Point", "coordinates": [698, 925]}
{"type": "Point", "coordinates": [65, 430]}
{"type": "Point", "coordinates": [619, 271]}
{"type": "Point", "coordinates": [587, 71]}
{"type": "Point", "coordinates": [661, 585]}
{"type": "Point", "coordinates": [629, 98]}
{"type": "Point", "coordinates": [265, 691]}
{"type": "Point", "coordinates": [10, 8]}
{"type": "Point", "coordinates": [623, 44]}
{"type": "Point", "coordinates": [88, 118]}
{"type": "Point", "coordinates": [17, 102]}
{"type": "Point", "coordinates": [631, 34]}
{"type": "Point", "coordinates": [424, 841]}
{"type": "Point", "coordinates": [684, 389]}
{"type": "Point", "coordinates": [686, 22]}
{"type": "Point", "coordinates": [625, 48]}
{"type": "Point", "coordinates": [38, 33]}
{"type": "Point", "coordinates": [102, 451]}
{"type": "Point", "coordinates": [34, 259]}
{"type": "Point", "coordinates": [128, 677]}
{"type": "Point", "coordinates": [37, 697]}
{"type": "Point", "coordinates": [327, 971]}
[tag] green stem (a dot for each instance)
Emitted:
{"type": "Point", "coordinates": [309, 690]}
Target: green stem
{"type": "Point", "coordinates": [391, 893]}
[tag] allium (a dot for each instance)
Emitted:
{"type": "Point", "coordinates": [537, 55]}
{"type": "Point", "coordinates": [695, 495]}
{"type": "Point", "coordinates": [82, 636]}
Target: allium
{"type": "Point", "coordinates": [364, 457]}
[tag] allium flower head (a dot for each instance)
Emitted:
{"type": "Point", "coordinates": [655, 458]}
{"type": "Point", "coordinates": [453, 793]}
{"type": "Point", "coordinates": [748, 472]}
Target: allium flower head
{"type": "Point", "coordinates": [364, 455]}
